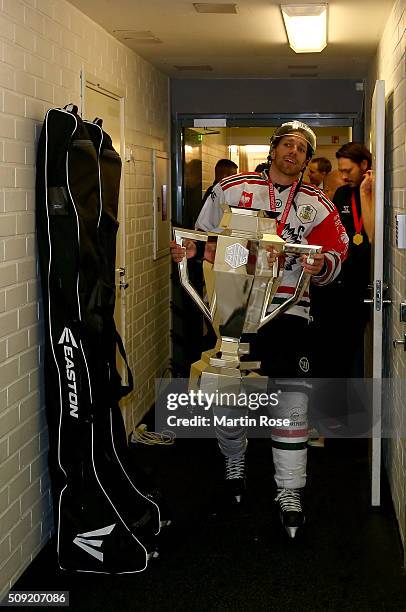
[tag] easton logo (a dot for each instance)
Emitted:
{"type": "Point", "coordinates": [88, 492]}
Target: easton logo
{"type": "Point", "coordinates": [69, 343]}
{"type": "Point", "coordinates": [91, 542]}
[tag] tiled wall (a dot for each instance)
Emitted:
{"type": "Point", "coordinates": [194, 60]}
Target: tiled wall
{"type": "Point", "coordinates": [214, 147]}
{"type": "Point", "coordinates": [390, 66]}
{"type": "Point", "coordinates": [147, 297]}
{"type": "Point", "coordinates": [44, 44]}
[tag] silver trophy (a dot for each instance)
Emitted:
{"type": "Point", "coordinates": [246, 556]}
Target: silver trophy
{"type": "Point", "coordinates": [240, 288]}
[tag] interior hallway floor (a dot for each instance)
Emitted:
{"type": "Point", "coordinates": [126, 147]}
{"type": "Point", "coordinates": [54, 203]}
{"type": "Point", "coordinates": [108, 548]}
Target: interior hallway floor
{"type": "Point", "coordinates": [347, 557]}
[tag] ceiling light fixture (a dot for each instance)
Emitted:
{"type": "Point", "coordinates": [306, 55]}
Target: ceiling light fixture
{"type": "Point", "coordinates": [306, 26]}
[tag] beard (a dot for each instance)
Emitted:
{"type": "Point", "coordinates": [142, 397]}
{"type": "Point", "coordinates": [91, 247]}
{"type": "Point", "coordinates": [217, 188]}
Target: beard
{"type": "Point", "coordinates": [288, 168]}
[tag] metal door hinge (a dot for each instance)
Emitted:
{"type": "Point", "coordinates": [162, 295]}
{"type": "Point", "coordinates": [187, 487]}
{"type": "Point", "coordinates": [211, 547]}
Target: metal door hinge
{"type": "Point", "coordinates": [121, 278]}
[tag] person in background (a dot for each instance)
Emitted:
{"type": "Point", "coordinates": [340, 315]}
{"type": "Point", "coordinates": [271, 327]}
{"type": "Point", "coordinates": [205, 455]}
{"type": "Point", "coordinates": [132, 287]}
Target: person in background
{"type": "Point", "coordinates": [192, 192]}
{"type": "Point", "coordinates": [331, 182]}
{"type": "Point", "coordinates": [261, 167]}
{"type": "Point", "coordinates": [222, 169]}
{"type": "Point", "coordinates": [318, 168]}
{"type": "Point", "coordinates": [338, 310]}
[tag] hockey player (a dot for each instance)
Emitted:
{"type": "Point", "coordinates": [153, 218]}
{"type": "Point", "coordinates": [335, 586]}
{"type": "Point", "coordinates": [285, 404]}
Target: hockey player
{"type": "Point", "coordinates": [304, 216]}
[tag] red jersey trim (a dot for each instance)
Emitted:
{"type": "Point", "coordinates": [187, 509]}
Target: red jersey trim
{"type": "Point", "coordinates": [243, 181]}
{"type": "Point", "coordinates": [290, 290]}
{"type": "Point", "coordinates": [326, 203]}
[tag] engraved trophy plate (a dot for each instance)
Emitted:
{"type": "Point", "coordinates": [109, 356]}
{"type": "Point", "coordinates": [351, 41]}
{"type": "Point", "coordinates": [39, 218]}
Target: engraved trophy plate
{"type": "Point", "coordinates": [236, 255]}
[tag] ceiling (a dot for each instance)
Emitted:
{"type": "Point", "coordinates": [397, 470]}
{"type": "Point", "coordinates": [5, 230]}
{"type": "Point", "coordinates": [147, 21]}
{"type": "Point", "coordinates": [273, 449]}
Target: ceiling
{"type": "Point", "coordinates": [251, 43]}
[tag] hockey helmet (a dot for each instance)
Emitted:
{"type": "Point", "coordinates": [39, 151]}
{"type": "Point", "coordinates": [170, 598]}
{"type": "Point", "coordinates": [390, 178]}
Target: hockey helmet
{"type": "Point", "coordinates": [293, 128]}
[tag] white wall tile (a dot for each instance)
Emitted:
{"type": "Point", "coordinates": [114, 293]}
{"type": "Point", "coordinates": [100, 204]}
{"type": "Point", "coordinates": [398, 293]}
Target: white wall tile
{"type": "Point", "coordinates": [7, 126]}
{"type": "Point", "coordinates": [34, 20]}
{"type": "Point", "coordinates": [14, 56]}
{"type": "Point", "coordinates": [23, 37]}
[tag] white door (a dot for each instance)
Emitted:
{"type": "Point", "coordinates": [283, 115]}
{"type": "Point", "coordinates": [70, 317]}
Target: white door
{"type": "Point", "coordinates": [377, 146]}
{"type": "Point", "coordinates": [108, 107]}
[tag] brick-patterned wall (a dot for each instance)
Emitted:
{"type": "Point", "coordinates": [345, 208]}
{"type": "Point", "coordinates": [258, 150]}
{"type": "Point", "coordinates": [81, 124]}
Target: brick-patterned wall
{"type": "Point", "coordinates": [147, 314]}
{"type": "Point", "coordinates": [214, 147]}
{"type": "Point", "coordinates": [44, 44]}
{"type": "Point", "coordinates": [389, 65]}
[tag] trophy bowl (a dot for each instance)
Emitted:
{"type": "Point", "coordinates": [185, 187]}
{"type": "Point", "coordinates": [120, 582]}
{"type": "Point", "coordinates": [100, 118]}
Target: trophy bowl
{"type": "Point", "coordinates": [240, 287]}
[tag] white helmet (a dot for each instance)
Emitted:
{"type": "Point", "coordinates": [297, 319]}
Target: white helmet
{"type": "Point", "coordinates": [293, 128]}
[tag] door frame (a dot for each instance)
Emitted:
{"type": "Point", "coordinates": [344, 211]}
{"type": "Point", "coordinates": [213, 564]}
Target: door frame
{"type": "Point", "coordinates": [377, 147]}
{"type": "Point", "coordinates": [180, 121]}
{"type": "Point", "coordinates": [88, 80]}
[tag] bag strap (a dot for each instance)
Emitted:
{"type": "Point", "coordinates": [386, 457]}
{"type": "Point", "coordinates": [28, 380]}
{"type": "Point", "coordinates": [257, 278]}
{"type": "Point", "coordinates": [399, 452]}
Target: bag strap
{"type": "Point", "coordinates": [124, 389]}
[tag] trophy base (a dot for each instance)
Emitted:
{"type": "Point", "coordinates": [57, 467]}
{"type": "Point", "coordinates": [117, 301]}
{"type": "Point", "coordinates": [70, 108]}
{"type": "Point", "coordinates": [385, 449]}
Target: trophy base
{"type": "Point", "coordinates": [220, 369]}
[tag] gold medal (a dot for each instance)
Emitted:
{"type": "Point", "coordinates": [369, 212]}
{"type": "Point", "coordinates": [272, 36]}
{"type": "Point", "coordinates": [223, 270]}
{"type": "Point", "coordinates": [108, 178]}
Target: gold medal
{"type": "Point", "coordinates": [358, 239]}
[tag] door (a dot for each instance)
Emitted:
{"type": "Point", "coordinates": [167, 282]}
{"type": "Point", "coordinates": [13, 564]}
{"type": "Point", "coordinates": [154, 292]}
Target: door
{"type": "Point", "coordinates": [377, 146]}
{"type": "Point", "coordinates": [99, 102]}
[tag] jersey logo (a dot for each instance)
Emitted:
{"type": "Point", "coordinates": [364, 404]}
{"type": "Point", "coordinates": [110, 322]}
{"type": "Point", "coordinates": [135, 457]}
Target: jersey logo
{"type": "Point", "coordinates": [306, 213]}
{"type": "Point", "coordinates": [346, 210]}
{"type": "Point", "coordinates": [91, 541]}
{"type": "Point", "coordinates": [245, 200]}
{"type": "Point", "coordinates": [304, 364]}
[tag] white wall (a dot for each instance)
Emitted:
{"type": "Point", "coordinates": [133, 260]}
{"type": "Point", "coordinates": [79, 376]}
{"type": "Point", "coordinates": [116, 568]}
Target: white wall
{"type": "Point", "coordinates": [214, 147]}
{"type": "Point", "coordinates": [389, 65]}
{"type": "Point", "coordinates": [44, 44]}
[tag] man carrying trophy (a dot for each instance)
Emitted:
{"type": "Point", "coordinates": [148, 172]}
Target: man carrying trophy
{"type": "Point", "coordinates": [303, 216]}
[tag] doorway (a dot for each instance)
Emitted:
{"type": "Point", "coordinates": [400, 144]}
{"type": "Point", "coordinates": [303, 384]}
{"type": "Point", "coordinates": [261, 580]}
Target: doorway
{"type": "Point", "coordinates": [244, 140]}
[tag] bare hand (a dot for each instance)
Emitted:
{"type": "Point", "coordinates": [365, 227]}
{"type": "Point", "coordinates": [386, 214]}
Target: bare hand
{"type": "Point", "coordinates": [273, 255]}
{"type": "Point", "coordinates": [366, 190]}
{"type": "Point", "coordinates": [210, 251]}
{"type": "Point", "coordinates": [178, 252]}
{"type": "Point", "coordinates": [367, 183]}
{"type": "Point", "coordinates": [312, 264]}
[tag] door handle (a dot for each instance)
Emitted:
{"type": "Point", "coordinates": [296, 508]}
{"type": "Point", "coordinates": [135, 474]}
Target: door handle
{"type": "Point", "coordinates": [371, 301]}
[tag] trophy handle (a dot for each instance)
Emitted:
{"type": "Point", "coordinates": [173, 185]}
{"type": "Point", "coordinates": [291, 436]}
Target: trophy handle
{"type": "Point", "coordinates": [301, 286]}
{"type": "Point", "coordinates": [179, 235]}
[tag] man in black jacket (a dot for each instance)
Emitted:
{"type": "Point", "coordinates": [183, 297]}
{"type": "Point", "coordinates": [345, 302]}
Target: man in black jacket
{"type": "Point", "coordinates": [339, 312]}
{"type": "Point", "coordinates": [222, 169]}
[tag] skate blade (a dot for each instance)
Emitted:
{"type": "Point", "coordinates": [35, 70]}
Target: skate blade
{"type": "Point", "coordinates": [291, 531]}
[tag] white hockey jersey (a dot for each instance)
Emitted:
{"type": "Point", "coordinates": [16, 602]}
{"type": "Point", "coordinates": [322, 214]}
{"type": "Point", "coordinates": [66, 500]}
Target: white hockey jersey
{"type": "Point", "coordinates": [312, 219]}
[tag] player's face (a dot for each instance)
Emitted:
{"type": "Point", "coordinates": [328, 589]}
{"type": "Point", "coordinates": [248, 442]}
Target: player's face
{"type": "Point", "coordinates": [315, 177]}
{"type": "Point", "coordinates": [289, 156]}
{"type": "Point", "coordinates": [351, 172]}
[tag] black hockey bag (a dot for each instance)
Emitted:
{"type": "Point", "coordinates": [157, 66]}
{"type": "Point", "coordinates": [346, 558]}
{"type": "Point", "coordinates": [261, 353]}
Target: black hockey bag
{"type": "Point", "coordinates": [104, 522]}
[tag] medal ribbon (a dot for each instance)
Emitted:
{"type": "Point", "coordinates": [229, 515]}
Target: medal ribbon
{"type": "Point", "coordinates": [272, 205]}
{"type": "Point", "coordinates": [357, 220]}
